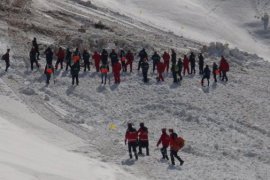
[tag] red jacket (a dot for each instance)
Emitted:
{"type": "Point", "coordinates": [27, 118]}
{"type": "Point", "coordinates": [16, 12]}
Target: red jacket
{"type": "Point", "coordinates": [131, 136]}
{"type": "Point", "coordinates": [164, 139]}
{"type": "Point", "coordinates": [224, 65]}
{"type": "Point", "coordinates": [61, 54]}
{"type": "Point", "coordinates": [97, 58]}
{"type": "Point", "coordinates": [129, 57]}
{"type": "Point", "coordinates": [117, 67]}
{"type": "Point", "coordinates": [166, 56]}
{"type": "Point", "coordinates": [186, 62]}
{"type": "Point", "coordinates": [160, 67]}
{"type": "Point", "coordinates": [143, 134]}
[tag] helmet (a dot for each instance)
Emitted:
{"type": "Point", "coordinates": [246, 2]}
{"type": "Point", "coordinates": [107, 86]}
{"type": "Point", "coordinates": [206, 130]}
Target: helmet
{"type": "Point", "coordinates": [141, 124]}
{"type": "Point", "coordinates": [163, 130]}
{"type": "Point", "coordinates": [129, 125]}
{"type": "Point", "coordinates": [171, 130]}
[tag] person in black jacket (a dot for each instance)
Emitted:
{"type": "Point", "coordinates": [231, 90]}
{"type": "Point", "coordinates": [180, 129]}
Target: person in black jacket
{"type": "Point", "coordinates": [192, 63]}
{"type": "Point", "coordinates": [113, 57]}
{"type": "Point", "coordinates": [145, 67]}
{"type": "Point", "coordinates": [174, 70]}
{"type": "Point", "coordinates": [143, 55]}
{"type": "Point", "coordinates": [35, 45]}
{"type": "Point", "coordinates": [5, 57]}
{"type": "Point", "coordinates": [104, 57]}
{"type": "Point", "coordinates": [75, 69]}
{"type": "Point", "coordinates": [215, 71]}
{"type": "Point", "coordinates": [206, 74]}
{"type": "Point", "coordinates": [86, 60]}
{"type": "Point", "coordinates": [201, 63]}
{"type": "Point", "coordinates": [156, 60]}
{"type": "Point", "coordinates": [33, 58]}
{"type": "Point", "coordinates": [68, 58]}
{"type": "Point", "coordinates": [49, 55]}
{"type": "Point", "coordinates": [180, 67]}
{"type": "Point", "coordinates": [173, 57]}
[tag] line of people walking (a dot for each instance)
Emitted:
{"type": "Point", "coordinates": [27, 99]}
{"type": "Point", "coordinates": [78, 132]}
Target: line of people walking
{"type": "Point", "coordinates": [139, 139]}
{"type": "Point", "coordinates": [122, 61]}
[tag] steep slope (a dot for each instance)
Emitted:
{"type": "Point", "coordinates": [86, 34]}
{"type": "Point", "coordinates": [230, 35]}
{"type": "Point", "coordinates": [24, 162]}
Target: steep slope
{"type": "Point", "coordinates": [226, 126]}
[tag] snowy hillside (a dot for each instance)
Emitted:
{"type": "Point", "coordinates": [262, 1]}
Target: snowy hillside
{"type": "Point", "coordinates": [235, 22]}
{"type": "Point", "coordinates": [71, 132]}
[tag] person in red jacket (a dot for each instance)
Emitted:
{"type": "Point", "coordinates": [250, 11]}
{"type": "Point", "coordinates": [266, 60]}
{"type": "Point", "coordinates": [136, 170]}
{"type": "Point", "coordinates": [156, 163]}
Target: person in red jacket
{"type": "Point", "coordinates": [48, 72]}
{"type": "Point", "coordinates": [176, 143]}
{"type": "Point", "coordinates": [130, 59]}
{"type": "Point", "coordinates": [132, 139]}
{"type": "Point", "coordinates": [60, 57]}
{"type": "Point", "coordinates": [97, 57]}
{"type": "Point", "coordinates": [165, 140]}
{"type": "Point", "coordinates": [166, 57]}
{"type": "Point", "coordinates": [224, 68]}
{"type": "Point", "coordinates": [143, 139]}
{"type": "Point", "coordinates": [186, 65]}
{"type": "Point", "coordinates": [116, 72]}
{"type": "Point", "coordinates": [160, 69]}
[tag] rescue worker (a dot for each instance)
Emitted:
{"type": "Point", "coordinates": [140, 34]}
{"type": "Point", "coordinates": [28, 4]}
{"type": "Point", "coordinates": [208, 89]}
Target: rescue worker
{"type": "Point", "coordinates": [206, 74]}
{"type": "Point", "coordinates": [6, 58]}
{"type": "Point", "coordinates": [186, 65]}
{"type": "Point", "coordinates": [224, 68]}
{"type": "Point", "coordinates": [201, 63]}
{"type": "Point", "coordinates": [97, 57]}
{"type": "Point", "coordinates": [156, 60]}
{"type": "Point", "coordinates": [104, 56]}
{"type": "Point", "coordinates": [104, 69]}
{"type": "Point", "coordinates": [131, 138]}
{"type": "Point", "coordinates": [48, 72]}
{"type": "Point", "coordinates": [143, 56]}
{"type": "Point", "coordinates": [113, 57]}
{"type": "Point", "coordinates": [143, 139]}
{"type": "Point", "coordinates": [49, 55]}
{"type": "Point", "coordinates": [215, 71]}
{"type": "Point", "coordinates": [68, 58]}
{"type": "Point", "coordinates": [145, 67]}
{"type": "Point", "coordinates": [60, 58]}
{"type": "Point", "coordinates": [33, 58]}
{"type": "Point", "coordinates": [74, 71]}
{"type": "Point", "coordinates": [86, 60]}
{"type": "Point", "coordinates": [176, 143]}
{"type": "Point", "coordinates": [130, 59]}
{"type": "Point", "coordinates": [165, 141]}
{"type": "Point", "coordinates": [166, 57]}
{"type": "Point", "coordinates": [123, 60]}
{"type": "Point", "coordinates": [160, 70]}
{"type": "Point", "coordinates": [192, 61]}
{"type": "Point", "coordinates": [116, 72]}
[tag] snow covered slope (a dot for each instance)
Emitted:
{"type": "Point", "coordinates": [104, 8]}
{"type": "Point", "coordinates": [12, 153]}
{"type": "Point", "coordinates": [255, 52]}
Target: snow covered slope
{"type": "Point", "coordinates": [228, 21]}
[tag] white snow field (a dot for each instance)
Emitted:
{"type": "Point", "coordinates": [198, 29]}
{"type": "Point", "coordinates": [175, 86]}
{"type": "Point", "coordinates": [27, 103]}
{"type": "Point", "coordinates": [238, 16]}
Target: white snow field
{"type": "Point", "coordinates": [230, 21]}
{"type": "Point", "coordinates": [62, 131]}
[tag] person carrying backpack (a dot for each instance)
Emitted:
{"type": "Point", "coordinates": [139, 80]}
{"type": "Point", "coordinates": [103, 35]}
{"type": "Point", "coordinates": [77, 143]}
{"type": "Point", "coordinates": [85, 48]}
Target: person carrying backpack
{"type": "Point", "coordinates": [48, 72]}
{"type": "Point", "coordinates": [143, 139]}
{"type": "Point", "coordinates": [60, 58]}
{"type": "Point", "coordinates": [143, 56]}
{"type": "Point", "coordinates": [166, 57]}
{"type": "Point", "coordinates": [33, 58]}
{"type": "Point", "coordinates": [74, 71]}
{"type": "Point", "coordinates": [5, 57]}
{"type": "Point", "coordinates": [165, 141]}
{"type": "Point", "coordinates": [131, 138]}
{"type": "Point", "coordinates": [206, 74]}
{"type": "Point", "coordinates": [97, 57]}
{"type": "Point", "coordinates": [68, 58]}
{"type": "Point", "coordinates": [86, 60]}
{"type": "Point", "coordinates": [201, 63]}
{"type": "Point", "coordinates": [130, 59]}
{"type": "Point", "coordinates": [145, 67]}
{"type": "Point", "coordinates": [104, 69]}
{"type": "Point", "coordinates": [116, 72]}
{"type": "Point", "coordinates": [176, 143]}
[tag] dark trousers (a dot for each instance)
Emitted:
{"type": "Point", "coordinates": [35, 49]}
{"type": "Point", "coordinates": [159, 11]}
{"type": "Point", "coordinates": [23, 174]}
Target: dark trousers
{"type": "Point", "coordinates": [163, 151]}
{"type": "Point", "coordinates": [124, 66]}
{"type": "Point", "coordinates": [144, 144]}
{"type": "Point", "coordinates": [139, 65]}
{"type": "Point", "coordinates": [86, 65]}
{"type": "Point", "coordinates": [68, 64]}
{"type": "Point", "coordinates": [145, 79]}
{"type": "Point", "coordinates": [205, 77]}
{"type": "Point", "coordinates": [201, 69]}
{"type": "Point", "coordinates": [224, 76]}
{"type": "Point", "coordinates": [7, 65]}
{"type": "Point", "coordinates": [215, 77]}
{"type": "Point", "coordinates": [174, 155]}
{"type": "Point", "coordinates": [75, 76]}
{"type": "Point", "coordinates": [57, 63]}
{"type": "Point", "coordinates": [32, 64]}
{"type": "Point", "coordinates": [174, 77]}
{"type": "Point", "coordinates": [133, 146]}
{"type": "Point", "coordinates": [48, 78]}
{"type": "Point", "coordinates": [103, 77]}
{"type": "Point", "coordinates": [193, 70]}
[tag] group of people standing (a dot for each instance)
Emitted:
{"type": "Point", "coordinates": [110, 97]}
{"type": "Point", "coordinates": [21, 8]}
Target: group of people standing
{"type": "Point", "coordinates": [120, 61]}
{"type": "Point", "coordinates": [139, 139]}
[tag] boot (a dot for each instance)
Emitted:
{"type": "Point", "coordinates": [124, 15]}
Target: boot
{"type": "Point", "coordinates": [181, 162]}
{"type": "Point", "coordinates": [130, 156]}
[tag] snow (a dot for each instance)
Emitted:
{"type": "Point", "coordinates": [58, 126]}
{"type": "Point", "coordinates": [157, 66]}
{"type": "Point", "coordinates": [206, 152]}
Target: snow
{"type": "Point", "coordinates": [226, 21]}
{"type": "Point", "coordinates": [62, 131]}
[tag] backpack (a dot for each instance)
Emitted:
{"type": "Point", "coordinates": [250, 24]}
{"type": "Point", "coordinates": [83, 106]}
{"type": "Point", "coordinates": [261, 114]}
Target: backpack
{"type": "Point", "coordinates": [180, 142]}
{"type": "Point", "coordinates": [3, 57]}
